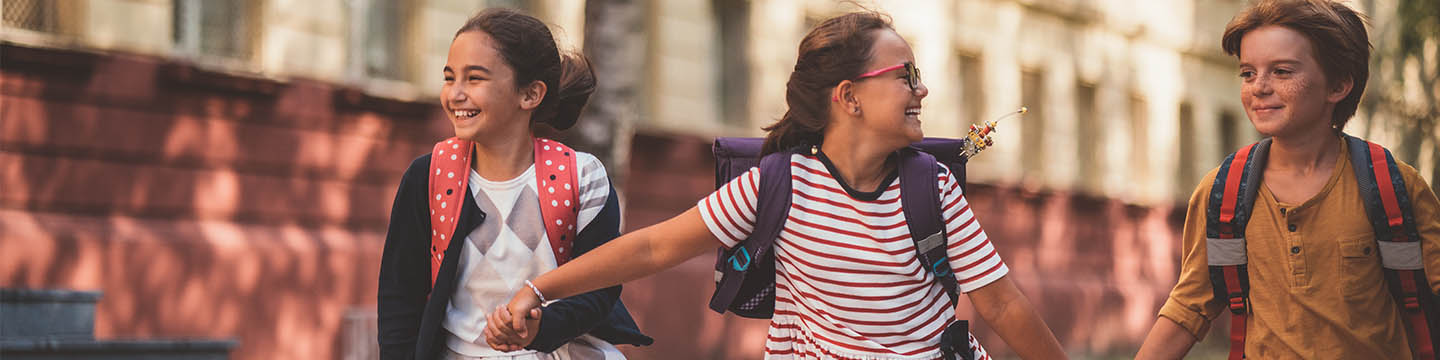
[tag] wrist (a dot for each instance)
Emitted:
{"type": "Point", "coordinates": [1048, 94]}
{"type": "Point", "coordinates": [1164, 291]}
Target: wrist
{"type": "Point", "coordinates": [535, 291]}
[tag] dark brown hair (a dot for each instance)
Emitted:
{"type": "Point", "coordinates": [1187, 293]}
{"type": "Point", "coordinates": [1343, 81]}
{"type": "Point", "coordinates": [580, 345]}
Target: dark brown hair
{"type": "Point", "coordinates": [836, 50]}
{"type": "Point", "coordinates": [1336, 33]}
{"type": "Point", "coordinates": [527, 46]}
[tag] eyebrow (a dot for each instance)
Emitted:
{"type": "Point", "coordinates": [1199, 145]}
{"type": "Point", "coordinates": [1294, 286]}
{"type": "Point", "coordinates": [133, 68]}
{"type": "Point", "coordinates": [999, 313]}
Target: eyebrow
{"type": "Point", "coordinates": [1277, 62]}
{"type": "Point", "coordinates": [471, 67]}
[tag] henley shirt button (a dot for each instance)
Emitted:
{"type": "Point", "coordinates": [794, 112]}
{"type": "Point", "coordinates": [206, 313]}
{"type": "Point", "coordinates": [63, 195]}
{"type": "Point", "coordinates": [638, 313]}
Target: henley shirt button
{"type": "Point", "coordinates": [1292, 227]}
{"type": "Point", "coordinates": [1295, 250]}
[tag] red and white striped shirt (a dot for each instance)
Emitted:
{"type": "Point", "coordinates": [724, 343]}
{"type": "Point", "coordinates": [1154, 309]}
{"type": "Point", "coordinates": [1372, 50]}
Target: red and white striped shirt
{"type": "Point", "coordinates": [848, 281]}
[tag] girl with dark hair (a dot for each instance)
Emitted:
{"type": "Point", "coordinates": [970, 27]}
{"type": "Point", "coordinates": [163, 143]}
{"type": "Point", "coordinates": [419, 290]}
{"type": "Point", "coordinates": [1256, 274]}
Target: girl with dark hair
{"type": "Point", "coordinates": [503, 78]}
{"type": "Point", "coordinates": [847, 281]}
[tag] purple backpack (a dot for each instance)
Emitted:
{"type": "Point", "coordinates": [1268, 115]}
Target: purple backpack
{"type": "Point", "coordinates": [745, 273]}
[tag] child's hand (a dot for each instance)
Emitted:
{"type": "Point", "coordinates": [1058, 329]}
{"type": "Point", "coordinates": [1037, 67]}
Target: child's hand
{"type": "Point", "coordinates": [503, 333]}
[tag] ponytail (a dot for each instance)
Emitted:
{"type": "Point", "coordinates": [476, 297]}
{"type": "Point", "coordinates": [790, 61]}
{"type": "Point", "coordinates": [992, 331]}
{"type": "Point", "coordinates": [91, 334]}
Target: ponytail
{"type": "Point", "coordinates": [562, 105]}
{"type": "Point", "coordinates": [834, 51]}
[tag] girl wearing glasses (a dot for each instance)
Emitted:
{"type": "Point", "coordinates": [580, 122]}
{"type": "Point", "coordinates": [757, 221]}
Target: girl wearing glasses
{"type": "Point", "coordinates": [846, 277]}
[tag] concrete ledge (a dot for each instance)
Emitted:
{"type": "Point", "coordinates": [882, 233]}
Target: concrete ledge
{"type": "Point", "coordinates": [44, 313]}
{"type": "Point", "coordinates": [48, 296]}
{"type": "Point", "coordinates": [116, 349]}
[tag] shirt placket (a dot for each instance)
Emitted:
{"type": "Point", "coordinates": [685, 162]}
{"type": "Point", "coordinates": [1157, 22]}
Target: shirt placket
{"type": "Point", "coordinates": [1293, 226]}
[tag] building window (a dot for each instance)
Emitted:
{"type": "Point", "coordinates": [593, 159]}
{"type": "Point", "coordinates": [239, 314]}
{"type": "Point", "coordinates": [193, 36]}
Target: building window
{"type": "Point", "coordinates": [1229, 133]}
{"type": "Point", "coordinates": [378, 30]}
{"type": "Point", "coordinates": [1186, 175]}
{"type": "Point", "coordinates": [971, 99]}
{"type": "Point", "coordinates": [215, 28]}
{"type": "Point", "coordinates": [33, 15]}
{"type": "Point", "coordinates": [1139, 136]}
{"type": "Point", "coordinates": [1088, 131]}
{"type": "Point", "coordinates": [1032, 130]}
{"type": "Point", "coordinates": [733, 18]}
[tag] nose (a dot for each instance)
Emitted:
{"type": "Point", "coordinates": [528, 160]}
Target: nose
{"type": "Point", "coordinates": [1261, 85]}
{"type": "Point", "coordinates": [921, 91]}
{"type": "Point", "coordinates": [455, 93]}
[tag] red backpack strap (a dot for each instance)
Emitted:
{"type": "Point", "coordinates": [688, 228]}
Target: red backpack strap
{"type": "Point", "coordinates": [1387, 204]}
{"type": "Point", "coordinates": [449, 175]}
{"type": "Point", "coordinates": [559, 195]}
{"type": "Point", "coordinates": [1232, 198]}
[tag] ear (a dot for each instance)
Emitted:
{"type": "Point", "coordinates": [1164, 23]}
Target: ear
{"type": "Point", "coordinates": [844, 96]}
{"type": "Point", "coordinates": [531, 95]}
{"type": "Point", "coordinates": [1340, 90]}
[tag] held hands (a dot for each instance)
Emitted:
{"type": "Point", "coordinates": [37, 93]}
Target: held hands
{"type": "Point", "coordinates": [512, 327]}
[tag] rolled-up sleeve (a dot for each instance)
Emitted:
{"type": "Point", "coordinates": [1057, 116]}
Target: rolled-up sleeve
{"type": "Point", "coordinates": [1192, 303]}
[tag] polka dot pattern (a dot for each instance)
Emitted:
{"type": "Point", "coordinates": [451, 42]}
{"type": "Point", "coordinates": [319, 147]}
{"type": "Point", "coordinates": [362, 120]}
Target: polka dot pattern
{"type": "Point", "coordinates": [555, 174]}
{"type": "Point", "coordinates": [447, 189]}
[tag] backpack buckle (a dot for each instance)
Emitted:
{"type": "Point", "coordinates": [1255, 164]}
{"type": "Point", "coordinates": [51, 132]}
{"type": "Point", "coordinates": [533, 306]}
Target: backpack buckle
{"type": "Point", "coordinates": [735, 262]}
{"type": "Point", "coordinates": [1412, 304]}
{"type": "Point", "coordinates": [940, 268]}
{"type": "Point", "coordinates": [1237, 304]}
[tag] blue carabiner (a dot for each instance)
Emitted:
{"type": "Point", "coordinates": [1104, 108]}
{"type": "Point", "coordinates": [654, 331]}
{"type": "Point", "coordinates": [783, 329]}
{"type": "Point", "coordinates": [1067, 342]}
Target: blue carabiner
{"type": "Point", "coordinates": [735, 263]}
{"type": "Point", "coordinates": [940, 268]}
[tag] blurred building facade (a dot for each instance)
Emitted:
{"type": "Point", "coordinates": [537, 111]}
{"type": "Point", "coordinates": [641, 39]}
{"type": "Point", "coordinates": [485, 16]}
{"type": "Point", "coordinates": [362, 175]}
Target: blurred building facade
{"type": "Point", "coordinates": [224, 168]}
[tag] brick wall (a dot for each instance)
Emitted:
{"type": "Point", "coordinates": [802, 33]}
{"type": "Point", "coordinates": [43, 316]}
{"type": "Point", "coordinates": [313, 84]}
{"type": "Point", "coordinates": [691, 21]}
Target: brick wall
{"type": "Point", "coordinates": [207, 204]}
{"type": "Point", "coordinates": [203, 204]}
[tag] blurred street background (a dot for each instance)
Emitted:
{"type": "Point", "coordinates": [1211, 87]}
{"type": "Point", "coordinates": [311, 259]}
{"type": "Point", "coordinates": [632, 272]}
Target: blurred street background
{"type": "Point", "coordinates": [225, 168]}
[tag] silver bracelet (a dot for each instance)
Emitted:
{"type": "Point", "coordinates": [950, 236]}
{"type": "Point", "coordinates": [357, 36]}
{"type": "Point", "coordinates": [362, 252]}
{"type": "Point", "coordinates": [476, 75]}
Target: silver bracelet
{"type": "Point", "coordinates": [536, 290]}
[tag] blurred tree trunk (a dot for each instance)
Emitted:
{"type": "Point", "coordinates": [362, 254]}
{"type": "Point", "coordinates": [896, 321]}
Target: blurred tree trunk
{"type": "Point", "coordinates": [615, 45]}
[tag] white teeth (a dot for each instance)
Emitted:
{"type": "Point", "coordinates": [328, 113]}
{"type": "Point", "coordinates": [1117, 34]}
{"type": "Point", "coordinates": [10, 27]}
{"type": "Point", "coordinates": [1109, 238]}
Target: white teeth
{"type": "Point", "coordinates": [912, 112]}
{"type": "Point", "coordinates": [465, 114]}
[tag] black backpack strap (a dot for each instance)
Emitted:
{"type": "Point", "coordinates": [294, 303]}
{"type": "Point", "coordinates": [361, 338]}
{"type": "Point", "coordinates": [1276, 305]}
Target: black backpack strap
{"type": "Point", "coordinates": [735, 264]}
{"type": "Point", "coordinates": [1231, 201]}
{"type": "Point", "coordinates": [1388, 207]}
{"type": "Point", "coordinates": [921, 202]}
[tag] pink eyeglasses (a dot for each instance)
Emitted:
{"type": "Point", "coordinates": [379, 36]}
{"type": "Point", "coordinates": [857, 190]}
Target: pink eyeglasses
{"type": "Point", "coordinates": [912, 75]}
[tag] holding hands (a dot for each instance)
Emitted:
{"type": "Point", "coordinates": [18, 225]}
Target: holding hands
{"type": "Point", "coordinates": [512, 327]}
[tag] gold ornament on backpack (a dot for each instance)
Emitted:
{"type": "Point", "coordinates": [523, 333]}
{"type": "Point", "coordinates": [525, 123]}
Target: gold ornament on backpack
{"type": "Point", "coordinates": [978, 138]}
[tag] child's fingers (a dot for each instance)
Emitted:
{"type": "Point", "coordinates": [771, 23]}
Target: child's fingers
{"type": "Point", "coordinates": [517, 322]}
{"type": "Point", "coordinates": [535, 314]}
{"type": "Point", "coordinates": [500, 320]}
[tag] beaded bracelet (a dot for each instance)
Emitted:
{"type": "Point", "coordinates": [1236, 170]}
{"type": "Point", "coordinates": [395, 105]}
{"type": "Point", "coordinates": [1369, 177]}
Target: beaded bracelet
{"type": "Point", "coordinates": [536, 290]}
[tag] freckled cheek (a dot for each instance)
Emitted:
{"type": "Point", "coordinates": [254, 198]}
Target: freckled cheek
{"type": "Point", "coordinates": [1291, 89]}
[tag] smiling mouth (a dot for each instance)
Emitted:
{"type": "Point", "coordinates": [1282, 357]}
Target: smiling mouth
{"type": "Point", "coordinates": [466, 114]}
{"type": "Point", "coordinates": [912, 111]}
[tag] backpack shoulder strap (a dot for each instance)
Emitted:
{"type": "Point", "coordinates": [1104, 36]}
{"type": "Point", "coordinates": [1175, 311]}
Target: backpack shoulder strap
{"type": "Point", "coordinates": [1387, 203]}
{"type": "Point", "coordinates": [1388, 207]}
{"type": "Point", "coordinates": [771, 209]}
{"type": "Point", "coordinates": [559, 193]}
{"type": "Point", "coordinates": [920, 201]}
{"type": "Point", "coordinates": [1231, 201]}
{"type": "Point", "coordinates": [924, 211]}
{"type": "Point", "coordinates": [449, 176]}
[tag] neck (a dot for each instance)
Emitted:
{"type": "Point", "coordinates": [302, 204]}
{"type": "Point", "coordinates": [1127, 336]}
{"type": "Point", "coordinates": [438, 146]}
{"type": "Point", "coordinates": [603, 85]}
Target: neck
{"type": "Point", "coordinates": [503, 157]}
{"type": "Point", "coordinates": [1307, 152]}
{"type": "Point", "coordinates": [860, 164]}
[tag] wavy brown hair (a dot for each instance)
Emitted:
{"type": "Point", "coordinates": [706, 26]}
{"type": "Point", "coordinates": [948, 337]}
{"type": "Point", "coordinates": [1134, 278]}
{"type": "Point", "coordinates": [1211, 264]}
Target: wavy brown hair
{"type": "Point", "coordinates": [836, 50]}
{"type": "Point", "coordinates": [1336, 33]}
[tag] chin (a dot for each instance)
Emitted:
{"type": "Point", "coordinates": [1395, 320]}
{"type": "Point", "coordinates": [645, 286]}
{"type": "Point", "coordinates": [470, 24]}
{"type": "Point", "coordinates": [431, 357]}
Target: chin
{"type": "Point", "coordinates": [466, 133]}
{"type": "Point", "coordinates": [914, 136]}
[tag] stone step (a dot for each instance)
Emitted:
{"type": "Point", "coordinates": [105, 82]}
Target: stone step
{"type": "Point", "coordinates": [54, 349]}
{"type": "Point", "coordinates": [47, 313]}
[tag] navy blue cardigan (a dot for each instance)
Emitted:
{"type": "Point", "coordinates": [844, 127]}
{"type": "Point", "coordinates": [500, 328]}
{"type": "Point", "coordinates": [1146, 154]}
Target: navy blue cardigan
{"type": "Point", "coordinates": [410, 323]}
